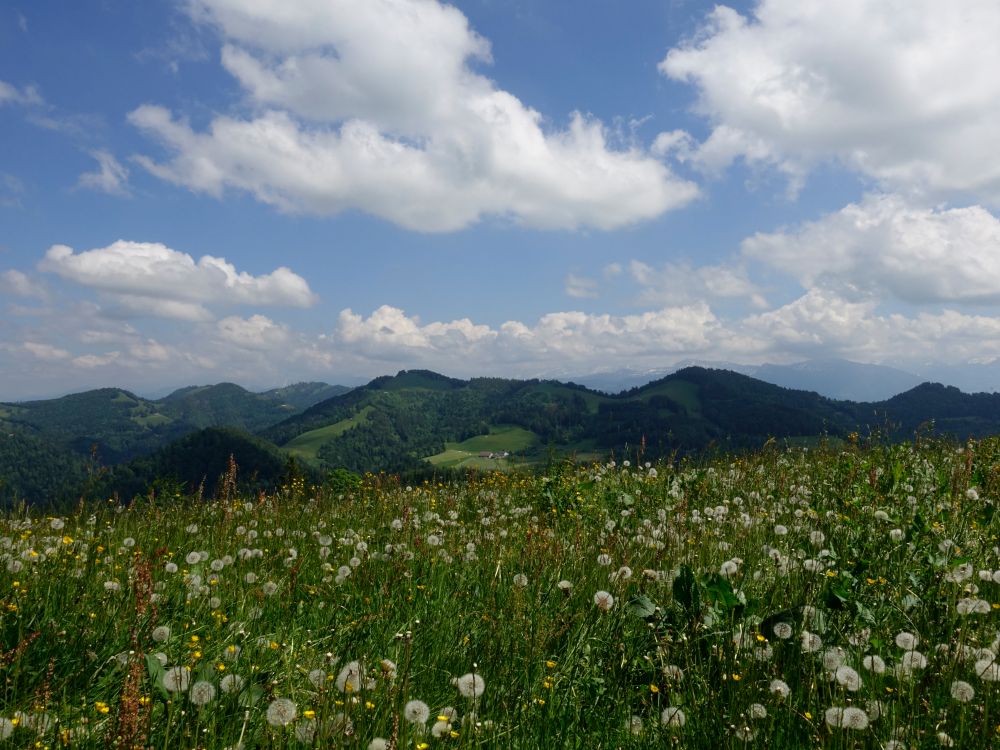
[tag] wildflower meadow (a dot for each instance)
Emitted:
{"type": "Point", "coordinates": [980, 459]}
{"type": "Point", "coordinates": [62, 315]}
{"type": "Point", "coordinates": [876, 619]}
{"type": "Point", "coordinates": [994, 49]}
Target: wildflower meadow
{"type": "Point", "coordinates": [842, 596]}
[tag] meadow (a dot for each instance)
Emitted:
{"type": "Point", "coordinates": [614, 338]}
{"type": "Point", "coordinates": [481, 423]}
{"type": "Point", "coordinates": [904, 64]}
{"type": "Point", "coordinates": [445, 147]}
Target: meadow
{"type": "Point", "coordinates": [841, 596]}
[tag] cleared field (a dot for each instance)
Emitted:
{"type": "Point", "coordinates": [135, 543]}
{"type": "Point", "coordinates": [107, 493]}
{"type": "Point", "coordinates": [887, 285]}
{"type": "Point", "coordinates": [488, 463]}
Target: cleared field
{"type": "Point", "coordinates": [465, 454]}
{"type": "Point", "coordinates": [152, 420]}
{"type": "Point", "coordinates": [685, 394]}
{"type": "Point", "coordinates": [307, 445]}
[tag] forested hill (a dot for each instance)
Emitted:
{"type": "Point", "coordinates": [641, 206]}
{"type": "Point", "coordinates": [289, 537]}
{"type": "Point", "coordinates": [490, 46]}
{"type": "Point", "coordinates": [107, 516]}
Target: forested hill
{"type": "Point", "coordinates": [415, 417]}
{"type": "Point", "coordinates": [48, 447]}
{"type": "Point", "coordinates": [422, 421]}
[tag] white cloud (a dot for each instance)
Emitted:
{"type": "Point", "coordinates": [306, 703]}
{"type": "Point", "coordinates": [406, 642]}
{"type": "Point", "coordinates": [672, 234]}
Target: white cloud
{"type": "Point", "coordinates": [28, 96]}
{"type": "Point", "coordinates": [555, 340]}
{"type": "Point", "coordinates": [580, 286]}
{"type": "Point", "coordinates": [20, 284]}
{"type": "Point", "coordinates": [148, 278]}
{"type": "Point", "coordinates": [257, 332]}
{"type": "Point", "coordinates": [903, 91]}
{"type": "Point", "coordinates": [822, 324]}
{"type": "Point", "coordinates": [388, 333]}
{"type": "Point", "coordinates": [373, 105]}
{"type": "Point", "coordinates": [11, 190]}
{"type": "Point", "coordinates": [110, 177]}
{"type": "Point", "coordinates": [46, 352]}
{"type": "Point", "coordinates": [680, 283]}
{"type": "Point", "coordinates": [884, 246]}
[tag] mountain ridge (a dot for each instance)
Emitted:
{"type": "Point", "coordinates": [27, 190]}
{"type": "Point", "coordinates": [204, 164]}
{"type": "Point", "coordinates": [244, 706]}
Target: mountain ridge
{"type": "Point", "coordinates": [421, 421]}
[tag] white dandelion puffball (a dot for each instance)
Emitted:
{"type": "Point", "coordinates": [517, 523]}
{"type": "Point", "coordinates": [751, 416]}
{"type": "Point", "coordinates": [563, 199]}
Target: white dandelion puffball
{"type": "Point", "coordinates": [351, 678]}
{"type": "Point", "coordinates": [779, 688]}
{"type": "Point", "coordinates": [192, 558]}
{"type": "Point", "coordinates": [231, 683]}
{"type": "Point", "coordinates": [962, 691]}
{"type": "Point", "coordinates": [848, 678]}
{"type": "Point", "coordinates": [907, 641]}
{"type": "Point", "coordinates": [176, 679]}
{"type": "Point", "coordinates": [521, 580]}
{"type": "Point", "coordinates": [811, 642]}
{"type": "Point", "coordinates": [874, 664]}
{"type": "Point", "coordinates": [850, 717]}
{"type": "Point", "coordinates": [672, 716]}
{"type": "Point", "coordinates": [470, 685]}
{"type": "Point", "coordinates": [604, 601]}
{"type": "Point", "coordinates": [416, 712]}
{"type": "Point", "coordinates": [202, 693]}
{"type": "Point", "coordinates": [161, 633]}
{"type": "Point", "coordinates": [281, 711]}
{"type": "Point", "coordinates": [782, 630]}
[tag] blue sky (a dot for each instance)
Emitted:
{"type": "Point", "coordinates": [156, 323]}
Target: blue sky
{"type": "Point", "coordinates": [265, 192]}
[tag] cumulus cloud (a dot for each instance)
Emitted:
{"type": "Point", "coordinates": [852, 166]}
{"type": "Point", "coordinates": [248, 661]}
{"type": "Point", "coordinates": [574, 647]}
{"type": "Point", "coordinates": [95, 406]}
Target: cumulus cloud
{"type": "Point", "coordinates": [554, 340]}
{"type": "Point", "coordinates": [19, 284]}
{"type": "Point", "coordinates": [258, 332]}
{"type": "Point", "coordinates": [376, 106]}
{"type": "Point", "coordinates": [903, 91]}
{"type": "Point", "coordinates": [681, 283]}
{"type": "Point", "coordinates": [821, 323]}
{"type": "Point", "coordinates": [884, 246]}
{"type": "Point", "coordinates": [111, 176]}
{"type": "Point", "coordinates": [388, 333]}
{"type": "Point", "coordinates": [148, 278]}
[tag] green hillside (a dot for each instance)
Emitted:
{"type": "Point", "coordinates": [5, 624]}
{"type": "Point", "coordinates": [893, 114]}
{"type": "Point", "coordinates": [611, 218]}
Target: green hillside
{"type": "Point", "coordinates": [200, 460]}
{"type": "Point", "coordinates": [419, 421]}
{"type": "Point", "coordinates": [307, 445]}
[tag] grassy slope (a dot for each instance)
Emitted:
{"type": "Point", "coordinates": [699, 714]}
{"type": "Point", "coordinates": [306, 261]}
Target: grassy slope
{"type": "Point", "coordinates": [307, 445]}
{"type": "Point", "coordinates": [465, 454]}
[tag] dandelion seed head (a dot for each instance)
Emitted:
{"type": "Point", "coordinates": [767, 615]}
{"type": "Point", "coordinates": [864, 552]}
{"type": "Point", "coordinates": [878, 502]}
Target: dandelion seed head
{"type": "Point", "coordinates": [281, 712]}
{"type": "Point", "coordinates": [416, 712]}
{"type": "Point", "coordinates": [470, 685]}
{"type": "Point", "coordinates": [202, 693]}
{"type": "Point", "coordinates": [176, 679]}
{"type": "Point", "coordinates": [779, 688]}
{"type": "Point", "coordinates": [604, 601]}
{"type": "Point", "coordinates": [672, 716]}
{"type": "Point", "coordinates": [962, 691]}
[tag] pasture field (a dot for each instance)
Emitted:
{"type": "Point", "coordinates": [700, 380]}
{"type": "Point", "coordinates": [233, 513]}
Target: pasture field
{"type": "Point", "coordinates": [838, 597]}
{"type": "Point", "coordinates": [307, 445]}
{"type": "Point", "coordinates": [465, 455]}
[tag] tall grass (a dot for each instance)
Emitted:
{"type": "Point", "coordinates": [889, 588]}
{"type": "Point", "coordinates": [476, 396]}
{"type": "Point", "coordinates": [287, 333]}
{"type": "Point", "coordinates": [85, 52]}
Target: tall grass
{"type": "Point", "coordinates": [836, 598]}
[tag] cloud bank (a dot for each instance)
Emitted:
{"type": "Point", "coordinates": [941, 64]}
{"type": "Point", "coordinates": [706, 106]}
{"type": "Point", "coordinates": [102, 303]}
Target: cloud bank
{"type": "Point", "coordinates": [377, 105]}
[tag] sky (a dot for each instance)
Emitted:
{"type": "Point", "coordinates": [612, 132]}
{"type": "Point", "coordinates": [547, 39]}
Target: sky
{"type": "Point", "coordinates": [272, 191]}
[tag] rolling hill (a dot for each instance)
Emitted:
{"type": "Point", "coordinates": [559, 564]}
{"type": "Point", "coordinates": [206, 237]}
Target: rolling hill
{"type": "Point", "coordinates": [420, 421]}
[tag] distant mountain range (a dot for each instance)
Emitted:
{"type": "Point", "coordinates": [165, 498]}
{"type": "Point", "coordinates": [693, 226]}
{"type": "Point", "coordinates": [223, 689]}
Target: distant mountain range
{"type": "Point", "coordinates": [110, 441]}
{"type": "Point", "coordinates": [833, 378]}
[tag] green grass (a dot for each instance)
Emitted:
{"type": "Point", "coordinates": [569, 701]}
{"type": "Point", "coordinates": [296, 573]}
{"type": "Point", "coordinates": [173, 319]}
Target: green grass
{"type": "Point", "coordinates": [307, 445]}
{"type": "Point", "coordinates": [758, 595]}
{"type": "Point", "coordinates": [152, 420]}
{"type": "Point", "coordinates": [681, 391]}
{"type": "Point", "coordinates": [465, 455]}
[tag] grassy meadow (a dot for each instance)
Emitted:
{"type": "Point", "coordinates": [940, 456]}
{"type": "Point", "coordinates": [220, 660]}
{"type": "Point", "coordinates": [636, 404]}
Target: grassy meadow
{"type": "Point", "coordinates": [837, 597]}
